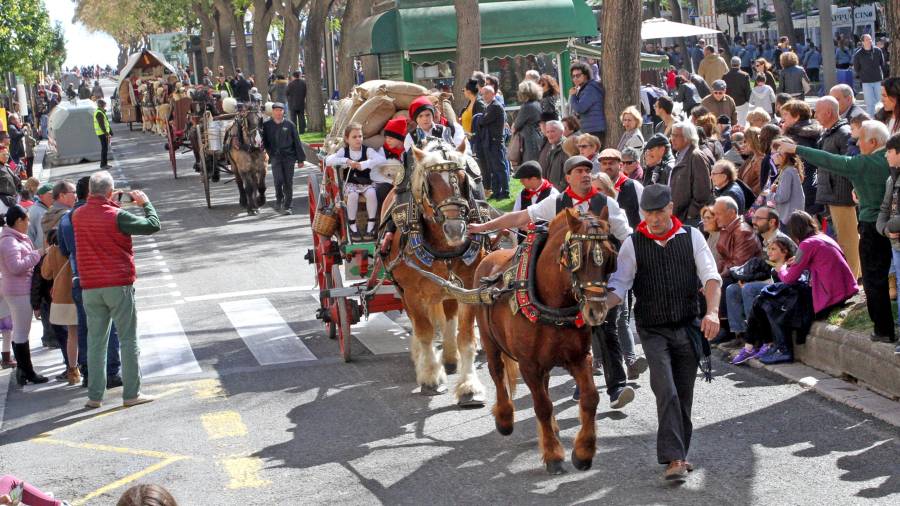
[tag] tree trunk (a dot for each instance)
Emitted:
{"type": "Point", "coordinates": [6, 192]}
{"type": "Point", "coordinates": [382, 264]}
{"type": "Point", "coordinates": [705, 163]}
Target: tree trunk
{"type": "Point", "coordinates": [621, 62]}
{"type": "Point", "coordinates": [123, 55]}
{"type": "Point", "coordinates": [263, 12]}
{"type": "Point", "coordinates": [784, 20]}
{"type": "Point", "coordinates": [207, 34]}
{"type": "Point", "coordinates": [675, 7]}
{"type": "Point", "coordinates": [370, 67]}
{"type": "Point", "coordinates": [312, 59]}
{"type": "Point", "coordinates": [828, 74]}
{"type": "Point", "coordinates": [354, 13]}
{"type": "Point", "coordinates": [241, 58]}
{"type": "Point", "coordinates": [653, 9]}
{"type": "Point", "coordinates": [223, 30]}
{"type": "Point", "coordinates": [290, 46]}
{"type": "Point", "coordinates": [892, 10]}
{"type": "Point", "coordinates": [468, 47]}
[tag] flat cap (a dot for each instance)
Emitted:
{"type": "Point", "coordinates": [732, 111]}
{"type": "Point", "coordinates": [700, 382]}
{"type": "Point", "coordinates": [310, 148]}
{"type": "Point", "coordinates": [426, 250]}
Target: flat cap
{"type": "Point", "coordinates": [655, 196]}
{"type": "Point", "coordinates": [719, 85]}
{"type": "Point", "coordinates": [577, 161]}
{"type": "Point", "coordinates": [656, 141]}
{"type": "Point", "coordinates": [44, 188]}
{"type": "Point", "coordinates": [610, 153]}
{"type": "Point", "coordinates": [528, 169]}
{"type": "Point", "coordinates": [277, 105]}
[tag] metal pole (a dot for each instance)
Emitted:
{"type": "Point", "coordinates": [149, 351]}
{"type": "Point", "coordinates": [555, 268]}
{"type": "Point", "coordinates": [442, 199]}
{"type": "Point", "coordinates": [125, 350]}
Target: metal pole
{"type": "Point", "coordinates": [828, 74]}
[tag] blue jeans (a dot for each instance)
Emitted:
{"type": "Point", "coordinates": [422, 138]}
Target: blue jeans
{"type": "Point", "coordinates": [496, 155]}
{"type": "Point", "coordinates": [739, 300]}
{"type": "Point", "coordinates": [872, 95]}
{"type": "Point", "coordinates": [112, 350]}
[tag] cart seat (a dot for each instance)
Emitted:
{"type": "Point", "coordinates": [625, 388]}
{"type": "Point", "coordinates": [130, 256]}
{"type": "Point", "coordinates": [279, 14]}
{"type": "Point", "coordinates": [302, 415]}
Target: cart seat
{"type": "Point", "coordinates": [181, 114]}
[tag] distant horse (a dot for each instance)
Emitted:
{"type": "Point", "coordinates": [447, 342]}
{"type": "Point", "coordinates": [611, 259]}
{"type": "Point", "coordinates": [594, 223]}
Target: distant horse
{"type": "Point", "coordinates": [247, 158]}
{"type": "Point", "coordinates": [556, 285]}
{"type": "Point", "coordinates": [432, 236]}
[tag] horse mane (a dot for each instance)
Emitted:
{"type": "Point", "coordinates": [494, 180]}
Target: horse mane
{"type": "Point", "coordinates": [433, 155]}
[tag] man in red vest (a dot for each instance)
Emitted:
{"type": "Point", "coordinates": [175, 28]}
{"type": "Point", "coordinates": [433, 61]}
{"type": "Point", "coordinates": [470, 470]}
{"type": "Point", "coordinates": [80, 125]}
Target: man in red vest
{"type": "Point", "coordinates": [106, 272]}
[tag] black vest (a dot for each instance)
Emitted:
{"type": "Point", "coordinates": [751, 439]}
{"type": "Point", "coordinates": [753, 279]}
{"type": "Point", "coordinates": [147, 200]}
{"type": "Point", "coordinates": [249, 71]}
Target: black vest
{"type": "Point", "coordinates": [359, 176]}
{"type": "Point", "coordinates": [666, 286]}
{"type": "Point", "coordinates": [436, 131]}
{"type": "Point", "coordinates": [628, 201]}
{"type": "Point", "coordinates": [541, 196]}
{"type": "Point", "coordinates": [596, 204]}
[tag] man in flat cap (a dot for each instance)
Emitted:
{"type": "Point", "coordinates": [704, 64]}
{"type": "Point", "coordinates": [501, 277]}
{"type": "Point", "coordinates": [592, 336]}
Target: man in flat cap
{"type": "Point", "coordinates": [534, 187]}
{"type": "Point", "coordinates": [652, 263]}
{"type": "Point", "coordinates": [581, 195]}
{"type": "Point", "coordinates": [282, 143]}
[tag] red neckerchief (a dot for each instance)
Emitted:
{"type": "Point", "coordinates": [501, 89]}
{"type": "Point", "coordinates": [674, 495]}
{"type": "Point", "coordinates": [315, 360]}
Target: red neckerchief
{"type": "Point", "coordinates": [576, 199]}
{"type": "Point", "coordinates": [643, 229]}
{"type": "Point", "coordinates": [398, 152]}
{"type": "Point", "coordinates": [621, 180]}
{"type": "Point", "coordinates": [528, 194]}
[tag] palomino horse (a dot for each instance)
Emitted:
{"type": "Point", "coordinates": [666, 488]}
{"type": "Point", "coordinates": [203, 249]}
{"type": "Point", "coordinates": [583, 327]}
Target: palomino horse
{"type": "Point", "coordinates": [432, 236]}
{"type": "Point", "coordinates": [248, 158]}
{"type": "Point", "coordinates": [549, 325]}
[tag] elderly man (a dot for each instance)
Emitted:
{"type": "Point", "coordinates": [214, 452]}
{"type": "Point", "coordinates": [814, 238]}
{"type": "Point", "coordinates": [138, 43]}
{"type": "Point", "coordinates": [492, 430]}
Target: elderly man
{"type": "Point", "coordinates": [718, 103]}
{"type": "Point", "coordinates": [870, 65]}
{"type": "Point", "coordinates": [36, 214]}
{"type": "Point", "coordinates": [737, 83]}
{"type": "Point", "coordinates": [846, 101]}
{"type": "Point", "coordinates": [658, 160]}
{"type": "Point", "coordinates": [282, 143]}
{"type": "Point", "coordinates": [689, 179]}
{"type": "Point", "coordinates": [552, 158]}
{"type": "Point", "coordinates": [63, 200]}
{"type": "Point", "coordinates": [868, 173]}
{"type": "Point", "coordinates": [833, 190]}
{"type": "Point", "coordinates": [490, 131]}
{"type": "Point", "coordinates": [664, 263]}
{"type": "Point", "coordinates": [107, 273]}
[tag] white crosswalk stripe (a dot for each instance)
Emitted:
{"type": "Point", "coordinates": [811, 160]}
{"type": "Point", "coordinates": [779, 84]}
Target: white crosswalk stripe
{"type": "Point", "coordinates": [165, 349]}
{"type": "Point", "coordinates": [265, 332]}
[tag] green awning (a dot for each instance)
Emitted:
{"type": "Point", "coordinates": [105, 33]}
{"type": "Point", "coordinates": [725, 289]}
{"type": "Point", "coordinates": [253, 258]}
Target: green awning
{"type": "Point", "coordinates": [491, 52]}
{"type": "Point", "coordinates": [433, 26]}
{"type": "Point", "coordinates": [648, 61]}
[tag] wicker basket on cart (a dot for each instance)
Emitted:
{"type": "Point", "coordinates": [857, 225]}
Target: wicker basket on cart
{"type": "Point", "coordinates": [326, 221]}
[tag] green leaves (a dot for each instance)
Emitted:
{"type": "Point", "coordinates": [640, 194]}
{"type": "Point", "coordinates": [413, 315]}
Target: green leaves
{"type": "Point", "coordinates": [27, 40]}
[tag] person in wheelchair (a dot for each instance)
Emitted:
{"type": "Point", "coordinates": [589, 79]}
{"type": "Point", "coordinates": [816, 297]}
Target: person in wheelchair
{"type": "Point", "coordinates": [359, 161]}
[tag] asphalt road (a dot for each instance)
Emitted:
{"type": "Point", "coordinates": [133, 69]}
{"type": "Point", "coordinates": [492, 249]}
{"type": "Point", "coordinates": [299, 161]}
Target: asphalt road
{"type": "Point", "coordinates": [261, 409]}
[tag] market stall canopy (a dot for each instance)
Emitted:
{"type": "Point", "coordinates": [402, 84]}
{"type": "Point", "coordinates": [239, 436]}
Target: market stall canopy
{"type": "Point", "coordinates": [145, 59]}
{"type": "Point", "coordinates": [648, 61]}
{"type": "Point", "coordinates": [658, 28]}
{"type": "Point", "coordinates": [431, 27]}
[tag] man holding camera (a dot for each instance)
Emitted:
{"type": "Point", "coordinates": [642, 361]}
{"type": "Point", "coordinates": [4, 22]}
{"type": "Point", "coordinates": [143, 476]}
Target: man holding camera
{"type": "Point", "coordinates": [106, 274]}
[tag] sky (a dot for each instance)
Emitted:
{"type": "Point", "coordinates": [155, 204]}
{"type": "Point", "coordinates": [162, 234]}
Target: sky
{"type": "Point", "coordinates": [82, 47]}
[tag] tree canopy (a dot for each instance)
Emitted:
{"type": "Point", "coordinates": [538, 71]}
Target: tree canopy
{"type": "Point", "coordinates": [27, 39]}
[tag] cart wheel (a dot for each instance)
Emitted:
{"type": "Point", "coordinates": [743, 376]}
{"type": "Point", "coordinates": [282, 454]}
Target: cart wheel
{"type": "Point", "coordinates": [171, 144]}
{"type": "Point", "coordinates": [343, 324]}
{"type": "Point", "coordinates": [204, 175]}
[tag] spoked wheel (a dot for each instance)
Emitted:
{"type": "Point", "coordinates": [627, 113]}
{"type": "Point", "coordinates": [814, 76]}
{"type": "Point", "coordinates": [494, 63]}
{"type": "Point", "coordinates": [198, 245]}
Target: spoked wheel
{"type": "Point", "coordinates": [204, 174]}
{"type": "Point", "coordinates": [343, 311]}
{"type": "Point", "coordinates": [171, 144]}
{"type": "Point", "coordinates": [323, 280]}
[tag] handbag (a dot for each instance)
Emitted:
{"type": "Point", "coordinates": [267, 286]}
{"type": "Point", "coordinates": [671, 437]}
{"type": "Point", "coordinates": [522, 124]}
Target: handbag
{"type": "Point", "coordinates": [804, 81]}
{"type": "Point", "coordinates": [755, 269]}
{"type": "Point", "coordinates": [516, 149]}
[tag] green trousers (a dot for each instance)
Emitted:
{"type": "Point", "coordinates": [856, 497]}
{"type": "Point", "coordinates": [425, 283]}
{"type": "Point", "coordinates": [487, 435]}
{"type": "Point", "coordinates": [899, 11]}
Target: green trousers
{"type": "Point", "coordinates": [104, 306]}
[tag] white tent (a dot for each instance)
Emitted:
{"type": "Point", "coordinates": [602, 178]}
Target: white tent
{"type": "Point", "coordinates": [146, 59]}
{"type": "Point", "coordinates": [658, 28]}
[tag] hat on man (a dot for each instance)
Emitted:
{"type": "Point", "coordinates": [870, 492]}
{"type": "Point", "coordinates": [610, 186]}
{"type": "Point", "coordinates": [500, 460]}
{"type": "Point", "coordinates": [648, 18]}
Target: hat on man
{"type": "Point", "coordinates": [656, 141]}
{"type": "Point", "coordinates": [735, 62]}
{"type": "Point", "coordinates": [420, 105]}
{"type": "Point", "coordinates": [610, 154]}
{"type": "Point", "coordinates": [724, 120]}
{"type": "Point", "coordinates": [277, 105]}
{"type": "Point", "coordinates": [528, 169]}
{"type": "Point", "coordinates": [577, 161]}
{"type": "Point", "coordinates": [655, 196]}
{"type": "Point", "coordinates": [44, 188]}
{"type": "Point", "coordinates": [396, 128]}
{"type": "Point", "coordinates": [719, 85]}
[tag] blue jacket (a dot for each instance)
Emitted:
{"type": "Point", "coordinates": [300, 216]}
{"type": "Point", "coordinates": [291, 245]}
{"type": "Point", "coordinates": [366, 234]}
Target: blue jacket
{"type": "Point", "coordinates": [813, 59]}
{"type": "Point", "coordinates": [65, 234]}
{"type": "Point", "coordinates": [588, 105]}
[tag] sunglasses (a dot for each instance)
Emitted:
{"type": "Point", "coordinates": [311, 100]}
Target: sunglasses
{"type": "Point", "coordinates": [584, 146]}
{"type": "Point", "coordinates": [629, 162]}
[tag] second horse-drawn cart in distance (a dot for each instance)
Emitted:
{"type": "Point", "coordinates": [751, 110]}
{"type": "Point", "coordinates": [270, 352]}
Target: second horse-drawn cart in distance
{"type": "Point", "coordinates": [352, 280]}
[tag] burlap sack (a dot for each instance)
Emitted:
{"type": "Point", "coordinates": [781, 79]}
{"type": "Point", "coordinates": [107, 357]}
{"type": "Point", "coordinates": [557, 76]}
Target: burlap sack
{"type": "Point", "coordinates": [374, 142]}
{"type": "Point", "coordinates": [374, 114]}
{"type": "Point", "coordinates": [402, 92]}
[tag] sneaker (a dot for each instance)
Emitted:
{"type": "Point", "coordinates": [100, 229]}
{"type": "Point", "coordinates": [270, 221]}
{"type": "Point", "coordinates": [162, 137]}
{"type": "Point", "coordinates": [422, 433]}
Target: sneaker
{"type": "Point", "coordinates": [621, 398]}
{"type": "Point", "coordinates": [287, 211]}
{"type": "Point", "coordinates": [637, 367]}
{"type": "Point", "coordinates": [743, 356]}
{"type": "Point", "coordinates": [763, 351]}
{"type": "Point", "coordinates": [140, 399]}
{"type": "Point", "coordinates": [113, 381]}
{"type": "Point", "coordinates": [92, 404]}
{"type": "Point", "coordinates": [677, 470]}
{"type": "Point", "coordinates": [878, 338]}
{"type": "Point", "coordinates": [777, 357]}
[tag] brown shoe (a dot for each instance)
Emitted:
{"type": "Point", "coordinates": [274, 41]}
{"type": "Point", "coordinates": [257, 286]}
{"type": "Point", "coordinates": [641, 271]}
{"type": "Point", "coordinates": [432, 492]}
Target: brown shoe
{"type": "Point", "coordinates": [73, 375]}
{"type": "Point", "coordinates": [677, 470]}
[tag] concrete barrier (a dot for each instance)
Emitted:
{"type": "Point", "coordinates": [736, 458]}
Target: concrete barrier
{"type": "Point", "coordinates": [848, 354]}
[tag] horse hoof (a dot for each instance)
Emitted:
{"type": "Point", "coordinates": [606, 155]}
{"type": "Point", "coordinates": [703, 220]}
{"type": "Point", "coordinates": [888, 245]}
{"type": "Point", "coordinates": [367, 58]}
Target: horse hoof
{"type": "Point", "coordinates": [471, 400]}
{"type": "Point", "coordinates": [252, 212]}
{"type": "Point", "coordinates": [555, 467]}
{"type": "Point", "coordinates": [430, 390]}
{"type": "Point", "coordinates": [581, 465]}
{"type": "Point", "coordinates": [450, 368]}
{"type": "Point", "coordinates": [504, 431]}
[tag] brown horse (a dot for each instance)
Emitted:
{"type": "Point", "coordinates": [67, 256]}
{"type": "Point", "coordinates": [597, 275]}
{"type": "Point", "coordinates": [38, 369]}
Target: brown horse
{"type": "Point", "coordinates": [570, 272]}
{"type": "Point", "coordinates": [248, 158]}
{"type": "Point", "coordinates": [433, 237]}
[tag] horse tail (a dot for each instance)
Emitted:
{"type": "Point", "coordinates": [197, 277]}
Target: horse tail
{"type": "Point", "coordinates": [511, 373]}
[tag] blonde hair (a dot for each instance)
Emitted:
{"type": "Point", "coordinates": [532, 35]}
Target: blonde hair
{"type": "Point", "coordinates": [758, 116]}
{"type": "Point", "coordinates": [788, 59]}
{"type": "Point", "coordinates": [529, 90]}
{"type": "Point", "coordinates": [31, 184]}
{"type": "Point", "coordinates": [592, 139]}
{"type": "Point", "coordinates": [633, 112]}
{"type": "Point", "coordinates": [603, 182]}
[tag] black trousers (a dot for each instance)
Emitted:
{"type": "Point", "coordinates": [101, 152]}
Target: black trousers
{"type": "Point", "coordinates": [298, 117]}
{"type": "Point", "coordinates": [283, 176]}
{"type": "Point", "coordinates": [673, 369]}
{"type": "Point", "coordinates": [606, 338]}
{"type": "Point", "coordinates": [875, 256]}
{"type": "Point", "coordinates": [104, 149]}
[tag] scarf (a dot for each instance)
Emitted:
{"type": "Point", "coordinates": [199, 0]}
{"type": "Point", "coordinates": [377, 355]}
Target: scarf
{"type": "Point", "coordinates": [643, 229]}
{"type": "Point", "coordinates": [529, 194]}
{"type": "Point", "coordinates": [620, 181]}
{"type": "Point", "coordinates": [578, 200]}
{"type": "Point", "coordinates": [397, 152]}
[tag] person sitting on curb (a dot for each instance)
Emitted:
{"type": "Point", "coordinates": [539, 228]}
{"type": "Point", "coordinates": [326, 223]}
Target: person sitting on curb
{"type": "Point", "coordinates": [888, 223]}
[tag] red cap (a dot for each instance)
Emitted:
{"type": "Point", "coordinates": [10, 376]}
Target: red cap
{"type": "Point", "coordinates": [396, 128]}
{"type": "Point", "coordinates": [420, 104]}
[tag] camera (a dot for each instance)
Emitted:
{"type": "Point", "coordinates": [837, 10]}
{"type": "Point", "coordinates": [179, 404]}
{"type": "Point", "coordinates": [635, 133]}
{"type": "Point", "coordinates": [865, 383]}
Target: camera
{"type": "Point", "coordinates": [124, 196]}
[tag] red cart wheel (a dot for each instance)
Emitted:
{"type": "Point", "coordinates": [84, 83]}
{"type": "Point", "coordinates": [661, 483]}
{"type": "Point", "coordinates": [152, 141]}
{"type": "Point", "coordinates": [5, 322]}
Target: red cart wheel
{"type": "Point", "coordinates": [323, 271]}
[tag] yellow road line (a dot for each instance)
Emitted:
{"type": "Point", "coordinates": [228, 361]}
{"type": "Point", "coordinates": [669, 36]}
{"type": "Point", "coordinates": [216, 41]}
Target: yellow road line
{"type": "Point", "coordinates": [103, 414]}
{"type": "Point", "coordinates": [106, 448]}
{"type": "Point", "coordinates": [128, 479]}
{"type": "Point", "coordinates": [223, 424]}
{"type": "Point", "coordinates": [243, 472]}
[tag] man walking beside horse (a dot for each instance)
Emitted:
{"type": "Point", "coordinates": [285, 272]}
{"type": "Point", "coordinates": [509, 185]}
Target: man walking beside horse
{"type": "Point", "coordinates": [282, 143]}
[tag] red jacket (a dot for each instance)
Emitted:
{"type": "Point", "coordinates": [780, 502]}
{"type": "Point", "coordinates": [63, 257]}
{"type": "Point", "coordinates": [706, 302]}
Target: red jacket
{"type": "Point", "coordinates": [105, 256]}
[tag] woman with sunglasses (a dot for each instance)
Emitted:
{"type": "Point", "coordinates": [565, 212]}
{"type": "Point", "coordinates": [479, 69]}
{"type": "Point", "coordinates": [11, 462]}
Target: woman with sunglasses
{"type": "Point", "coordinates": [764, 68]}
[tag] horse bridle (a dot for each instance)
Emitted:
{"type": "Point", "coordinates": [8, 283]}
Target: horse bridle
{"type": "Point", "coordinates": [243, 126]}
{"type": "Point", "coordinates": [571, 255]}
{"type": "Point", "coordinates": [457, 199]}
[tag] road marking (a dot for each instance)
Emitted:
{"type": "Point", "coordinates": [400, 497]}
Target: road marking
{"type": "Point", "coordinates": [128, 479]}
{"type": "Point", "coordinates": [243, 472]}
{"type": "Point", "coordinates": [208, 389]}
{"type": "Point", "coordinates": [265, 332]}
{"type": "Point", "coordinates": [249, 293]}
{"type": "Point", "coordinates": [222, 424]}
{"type": "Point", "coordinates": [165, 349]}
{"type": "Point", "coordinates": [155, 295]}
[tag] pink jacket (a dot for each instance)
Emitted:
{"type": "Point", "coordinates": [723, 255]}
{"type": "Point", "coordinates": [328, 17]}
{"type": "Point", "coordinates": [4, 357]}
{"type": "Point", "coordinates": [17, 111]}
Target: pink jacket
{"type": "Point", "coordinates": [17, 260]}
{"type": "Point", "coordinates": [831, 279]}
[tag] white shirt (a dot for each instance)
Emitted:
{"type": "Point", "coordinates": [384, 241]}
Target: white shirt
{"type": "Point", "coordinates": [545, 210]}
{"type": "Point", "coordinates": [458, 136]}
{"type": "Point", "coordinates": [518, 207]}
{"type": "Point", "coordinates": [622, 280]}
{"type": "Point", "coordinates": [374, 158]}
